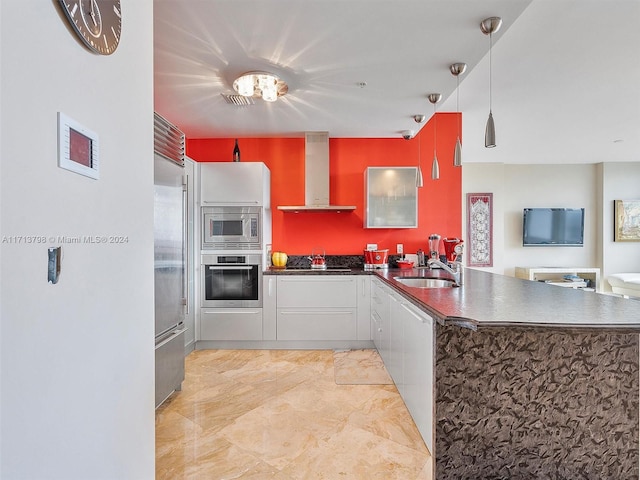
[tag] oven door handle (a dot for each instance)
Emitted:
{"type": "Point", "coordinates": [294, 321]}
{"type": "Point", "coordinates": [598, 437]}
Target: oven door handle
{"type": "Point", "coordinates": [230, 267]}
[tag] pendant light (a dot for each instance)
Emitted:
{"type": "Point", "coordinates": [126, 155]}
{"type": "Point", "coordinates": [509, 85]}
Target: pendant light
{"type": "Point", "coordinates": [408, 135]}
{"type": "Point", "coordinates": [489, 26]}
{"type": "Point", "coordinates": [435, 168]}
{"type": "Point", "coordinates": [458, 69]}
{"type": "Point", "coordinates": [419, 180]}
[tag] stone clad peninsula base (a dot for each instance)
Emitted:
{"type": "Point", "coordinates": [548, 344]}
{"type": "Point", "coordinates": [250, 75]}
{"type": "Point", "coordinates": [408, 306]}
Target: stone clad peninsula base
{"type": "Point", "coordinates": [536, 403]}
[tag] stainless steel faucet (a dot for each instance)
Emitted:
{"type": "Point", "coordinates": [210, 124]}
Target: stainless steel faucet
{"type": "Point", "coordinates": [455, 269]}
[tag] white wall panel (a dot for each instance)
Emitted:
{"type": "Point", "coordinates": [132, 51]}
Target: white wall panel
{"type": "Point", "coordinates": [77, 357]}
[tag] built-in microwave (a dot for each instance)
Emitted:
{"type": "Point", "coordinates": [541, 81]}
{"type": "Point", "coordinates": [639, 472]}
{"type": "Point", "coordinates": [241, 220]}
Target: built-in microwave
{"type": "Point", "coordinates": [231, 228]}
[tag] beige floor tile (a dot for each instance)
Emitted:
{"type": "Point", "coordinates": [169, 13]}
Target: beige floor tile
{"type": "Point", "coordinates": [353, 453]}
{"type": "Point", "coordinates": [279, 414]}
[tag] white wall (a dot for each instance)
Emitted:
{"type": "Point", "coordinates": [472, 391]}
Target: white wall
{"type": "Point", "coordinates": [516, 187]}
{"type": "Point", "coordinates": [77, 358]}
{"type": "Point", "coordinates": [486, 178]}
{"type": "Point", "coordinates": [589, 186]}
{"type": "Point", "coordinates": [620, 181]}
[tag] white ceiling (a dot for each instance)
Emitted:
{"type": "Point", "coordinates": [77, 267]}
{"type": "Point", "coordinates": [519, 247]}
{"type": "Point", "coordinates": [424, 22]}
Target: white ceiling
{"type": "Point", "coordinates": [566, 73]}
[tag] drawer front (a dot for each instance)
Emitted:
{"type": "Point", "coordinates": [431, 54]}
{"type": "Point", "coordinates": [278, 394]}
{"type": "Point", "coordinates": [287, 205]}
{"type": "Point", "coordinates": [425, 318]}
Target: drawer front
{"type": "Point", "coordinates": [379, 300]}
{"type": "Point", "coordinates": [231, 324]}
{"type": "Point", "coordinates": [322, 291]}
{"type": "Point", "coordinates": [317, 324]}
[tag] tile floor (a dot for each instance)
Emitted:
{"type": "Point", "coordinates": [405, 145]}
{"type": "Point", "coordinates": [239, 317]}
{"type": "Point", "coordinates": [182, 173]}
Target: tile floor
{"type": "Point", "coordinates": [275, 414]}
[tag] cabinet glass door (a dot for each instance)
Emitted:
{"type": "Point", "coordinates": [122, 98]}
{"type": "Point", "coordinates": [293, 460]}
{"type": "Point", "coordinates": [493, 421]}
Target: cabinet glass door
{"type": "Point", "coordinates": [391, 197]}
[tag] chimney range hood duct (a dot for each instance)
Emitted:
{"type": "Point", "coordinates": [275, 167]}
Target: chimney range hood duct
{"type": "Point", "coordinates": [316, 184]}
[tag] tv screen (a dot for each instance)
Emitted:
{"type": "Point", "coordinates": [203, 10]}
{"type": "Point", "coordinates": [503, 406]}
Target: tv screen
{"type": "Point", "coordinates": [553, 227]}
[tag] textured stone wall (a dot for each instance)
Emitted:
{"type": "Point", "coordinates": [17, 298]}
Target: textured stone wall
{"type": "Point", "coordinates": [529, 403]}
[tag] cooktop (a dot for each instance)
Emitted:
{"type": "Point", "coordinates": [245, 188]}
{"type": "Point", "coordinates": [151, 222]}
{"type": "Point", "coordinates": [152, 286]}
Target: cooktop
{"type": "Point", "coordinates": [335, 268]}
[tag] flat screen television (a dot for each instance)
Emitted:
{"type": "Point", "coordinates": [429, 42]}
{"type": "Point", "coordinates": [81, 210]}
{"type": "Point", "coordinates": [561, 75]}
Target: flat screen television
{"type": "Point", "coordinates": [553, 227]}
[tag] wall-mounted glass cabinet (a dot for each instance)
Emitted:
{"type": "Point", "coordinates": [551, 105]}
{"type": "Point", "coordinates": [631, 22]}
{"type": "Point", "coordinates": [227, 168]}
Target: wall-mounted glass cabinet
{"type": "Point", "coordinates": [391, 197]}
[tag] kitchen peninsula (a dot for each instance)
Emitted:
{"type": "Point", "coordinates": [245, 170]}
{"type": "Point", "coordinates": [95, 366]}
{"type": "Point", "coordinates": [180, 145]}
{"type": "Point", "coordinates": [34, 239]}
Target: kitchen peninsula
{"type": "Point", "coordinates": [531, 381]}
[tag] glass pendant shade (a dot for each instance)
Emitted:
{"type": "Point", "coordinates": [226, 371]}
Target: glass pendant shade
{"type": "Point", "coordinates": [457, 154]}
{"type": "Point", "coordinates": [490, 132]}
{"type": "Point", "coordinates": [244, 86]}
{"type": "Point", "coordinates": [435, 169]}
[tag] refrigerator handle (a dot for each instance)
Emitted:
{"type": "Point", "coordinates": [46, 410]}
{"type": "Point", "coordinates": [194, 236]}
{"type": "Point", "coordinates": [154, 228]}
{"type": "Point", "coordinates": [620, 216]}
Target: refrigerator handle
{"type": "Point", "coordinates": [186, 250]}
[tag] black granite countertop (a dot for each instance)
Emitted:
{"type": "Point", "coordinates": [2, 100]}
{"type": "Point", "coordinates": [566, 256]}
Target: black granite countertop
{"type": "Point", "coordinates": [489, 300]}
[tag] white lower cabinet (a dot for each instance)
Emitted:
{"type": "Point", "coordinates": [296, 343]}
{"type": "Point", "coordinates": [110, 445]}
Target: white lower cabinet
{"type": "Point", "coordinates": [396, 338]}
{"type": "Point", "coordinates": [269, 306]}
{"type": "Point", "coordinates": [417, 360]}
{"type": "Point", "coordinates": [405, 341]}
{"type": "Point", "coordinates": [380, 317]}
{"type": "Point", "coordinates": [231, 324]}
{"type": "Point", "coordinates": [363, 302]}
{"type": "Point", "coordinates": [316, 307]}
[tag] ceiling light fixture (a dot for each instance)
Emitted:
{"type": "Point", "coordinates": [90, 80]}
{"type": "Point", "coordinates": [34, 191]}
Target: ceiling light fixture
{"type": "Point", "coordinates": [489, 26]}
{"type": "Point", "coordinates": [260, 84]}
{"type": "Point", "coordinates": [458, 69]}
{"type": "Point", "coordinates": [435, 167]}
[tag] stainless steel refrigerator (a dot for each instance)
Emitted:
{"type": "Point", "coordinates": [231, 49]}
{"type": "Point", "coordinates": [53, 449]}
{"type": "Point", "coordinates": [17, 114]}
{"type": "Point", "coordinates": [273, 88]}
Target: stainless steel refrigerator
{"type": "Point", "coordinates": [170, 241]}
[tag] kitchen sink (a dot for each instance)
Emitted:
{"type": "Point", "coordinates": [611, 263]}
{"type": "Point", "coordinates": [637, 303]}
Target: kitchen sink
{"type": "Point", "coordinates": [424, 282]}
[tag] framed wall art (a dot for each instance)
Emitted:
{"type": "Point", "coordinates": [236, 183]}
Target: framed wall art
{"type": "Point", "coordinates": [626, 220]}
{"type": "Point", "coordinates": [480, 229]}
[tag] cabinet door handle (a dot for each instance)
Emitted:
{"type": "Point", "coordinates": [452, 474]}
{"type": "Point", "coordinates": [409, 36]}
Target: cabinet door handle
{"type": "Point", "coordinates": [230, 267]}
{"type": "Point", "coordinates": [320, 278]}
{"type": "Point", "coordinates": [314, 312]}
{"type": "Point", "coordinates": [239, 311]}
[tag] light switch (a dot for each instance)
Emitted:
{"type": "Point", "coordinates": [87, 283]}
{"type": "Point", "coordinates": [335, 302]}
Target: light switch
{"type": "Point", "coordinates": [54, 264]}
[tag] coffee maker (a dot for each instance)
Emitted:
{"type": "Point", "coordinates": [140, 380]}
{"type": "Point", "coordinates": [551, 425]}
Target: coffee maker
{"type": "Point", "coordinates": [453, 249]}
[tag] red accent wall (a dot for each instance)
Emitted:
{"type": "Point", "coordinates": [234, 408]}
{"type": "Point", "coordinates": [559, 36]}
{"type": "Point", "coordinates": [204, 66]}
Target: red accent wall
{"type": "Point", "coordinates": [439, 201]}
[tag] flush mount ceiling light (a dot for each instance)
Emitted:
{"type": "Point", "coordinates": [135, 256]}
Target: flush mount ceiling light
{"type": "Point", "coordinates": [456, 70]}
{"type": "Point", "coordinates": [435, 167]}
{"type": "Point", "coordinates": [489, 26]}
{"type": "Point", "coordinates": [260, 84]}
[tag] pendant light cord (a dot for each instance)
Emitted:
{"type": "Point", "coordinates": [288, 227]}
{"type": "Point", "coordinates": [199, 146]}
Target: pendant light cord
{"type": "Point", "coordinates": [435, 130]}
{"type": "Point", "coordinates": [490, 71]}
{"type": "Point", "coordinates": [458, 104]}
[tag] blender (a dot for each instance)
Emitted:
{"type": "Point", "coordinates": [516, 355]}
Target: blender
{"type": "Point", "coordinates": [434, 246]}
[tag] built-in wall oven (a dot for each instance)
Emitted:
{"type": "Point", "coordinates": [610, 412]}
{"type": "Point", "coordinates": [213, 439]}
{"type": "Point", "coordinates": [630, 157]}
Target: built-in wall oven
{"type": "Point", "coordinates": [231, 280]}
{"type": "Point", "coordinates": [230, 227]}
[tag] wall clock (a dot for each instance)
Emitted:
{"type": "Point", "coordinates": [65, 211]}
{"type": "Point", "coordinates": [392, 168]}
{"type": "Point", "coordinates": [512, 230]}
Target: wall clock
{"type": "Point", "coordinates": [97, 22]}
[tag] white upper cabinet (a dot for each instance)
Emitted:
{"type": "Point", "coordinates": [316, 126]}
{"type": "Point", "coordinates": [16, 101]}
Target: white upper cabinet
{"type": "Point", "coordinates": [391, 197]}
{"type": "Point", "coordinates": [235, 183]}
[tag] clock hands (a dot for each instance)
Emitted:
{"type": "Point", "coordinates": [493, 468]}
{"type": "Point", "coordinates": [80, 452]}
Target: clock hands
{"type": "Point", "coordinates": [98, 23]}
{"type": "Point", "coordinates": [92, 17]}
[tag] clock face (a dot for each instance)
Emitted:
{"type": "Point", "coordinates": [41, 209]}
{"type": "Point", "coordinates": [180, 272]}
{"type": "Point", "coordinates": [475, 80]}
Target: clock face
{"type": "Point", "coordinates": [97, 22]}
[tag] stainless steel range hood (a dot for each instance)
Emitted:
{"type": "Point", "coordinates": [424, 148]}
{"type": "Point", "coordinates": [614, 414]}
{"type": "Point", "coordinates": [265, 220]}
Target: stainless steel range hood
{"type": "Point", "coordinates": [316, 183]}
